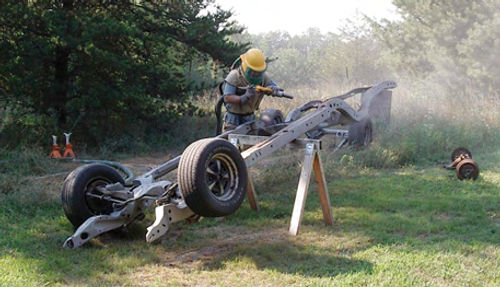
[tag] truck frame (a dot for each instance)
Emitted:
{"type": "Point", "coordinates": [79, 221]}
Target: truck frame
{"type": "Point", "coordinates": [212, 175]}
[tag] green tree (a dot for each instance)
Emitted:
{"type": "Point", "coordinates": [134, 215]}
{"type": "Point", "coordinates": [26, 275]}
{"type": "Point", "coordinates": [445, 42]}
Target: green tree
{"type": "Point", "coordinates": [105, 67]}
{"type": "Point", "coordinates": [327, 62]}
{"type": "Point", "coordinates": [453, 43]}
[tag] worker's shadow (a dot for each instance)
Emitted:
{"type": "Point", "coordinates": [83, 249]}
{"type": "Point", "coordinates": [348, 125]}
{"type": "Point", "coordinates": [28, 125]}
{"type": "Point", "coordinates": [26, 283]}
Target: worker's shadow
{"type": "Point", "coordinates": [287, 257]}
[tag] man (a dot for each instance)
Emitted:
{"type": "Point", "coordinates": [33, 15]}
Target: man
{"type": "Point", "coordinates": [241, 101]}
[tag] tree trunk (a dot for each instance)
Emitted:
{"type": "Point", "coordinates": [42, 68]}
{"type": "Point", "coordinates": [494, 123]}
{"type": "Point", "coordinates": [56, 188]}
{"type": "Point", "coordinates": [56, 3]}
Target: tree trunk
{"type": "Point", "coordinates": [61, 70]}
{"type": "Point", "coordinates": [61, 83]}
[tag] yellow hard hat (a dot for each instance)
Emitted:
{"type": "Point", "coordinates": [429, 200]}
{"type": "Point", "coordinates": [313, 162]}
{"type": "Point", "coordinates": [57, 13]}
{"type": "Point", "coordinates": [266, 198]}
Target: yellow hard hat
{"type": "Point", "coordinates": [253, 58]}
{"type": "Point", "coordinates": [253, 64]}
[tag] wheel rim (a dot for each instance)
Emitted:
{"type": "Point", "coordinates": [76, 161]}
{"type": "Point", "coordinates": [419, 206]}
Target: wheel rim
{"type": "Point", "coordinates": [222, 176]}
{"type": "Point", "coordinates": [96, 205]}
{"type": "Point", "coordinates": [468, 171]}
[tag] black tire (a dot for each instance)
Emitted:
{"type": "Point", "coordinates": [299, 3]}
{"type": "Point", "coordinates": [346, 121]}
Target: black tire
{"type": "Point", "coordinates": [78, 205]}
{"type": "Point", "coordinates": [460, 151]}
{"type": "Point", "coordinates": [271, 117]}
{"type": "Point", "coordinates": [212, 177]}
{"type": "Point", "coordinates": [360, 133]}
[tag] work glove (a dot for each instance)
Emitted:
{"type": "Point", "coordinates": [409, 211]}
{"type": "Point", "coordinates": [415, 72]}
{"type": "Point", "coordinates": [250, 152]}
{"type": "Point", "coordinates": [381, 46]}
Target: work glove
{"type": "Point", "coordinates": [250, 93]}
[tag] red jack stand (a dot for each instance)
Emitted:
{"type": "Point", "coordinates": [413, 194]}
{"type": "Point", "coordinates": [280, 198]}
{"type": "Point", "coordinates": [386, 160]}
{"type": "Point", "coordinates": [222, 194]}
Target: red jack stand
{"type": "Point", "coordinates": [55, 148]}
{"type": "Point", "coordinates": [68, 149]}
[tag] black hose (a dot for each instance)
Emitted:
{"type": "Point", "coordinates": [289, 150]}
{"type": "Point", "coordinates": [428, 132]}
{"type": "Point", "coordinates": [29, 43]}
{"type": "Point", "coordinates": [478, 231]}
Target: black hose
{"type": "Point", "coordinates": [218, 115]}
{"type": "Point", "coordinates": [218, 109]}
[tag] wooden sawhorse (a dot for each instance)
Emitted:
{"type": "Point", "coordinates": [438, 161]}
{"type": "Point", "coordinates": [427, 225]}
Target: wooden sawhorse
{"type": "Point", "coordinates": [312, 162]}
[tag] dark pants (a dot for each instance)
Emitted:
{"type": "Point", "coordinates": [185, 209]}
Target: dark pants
{"type": "Point", "coordinates": [231, 121]}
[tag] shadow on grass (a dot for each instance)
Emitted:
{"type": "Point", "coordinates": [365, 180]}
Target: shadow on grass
{"type": "Point", "coordinates": [288, 258]}
{"type": "Point", "coordinates": [31, 240]}
{"type": "Point", "coordinates": [419, 208]}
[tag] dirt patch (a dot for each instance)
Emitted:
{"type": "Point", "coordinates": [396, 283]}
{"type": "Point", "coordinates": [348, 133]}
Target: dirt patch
{"type": "Point", "coordinates": [204, 254]}
{"type": "Point", "coordinates": [227, 240]}
{"type": "Point", "coordinates": [429, 279]}
{"type": "Point", "coordinates": [443, 216]}
{"type": "Point", "coordinates": [153, 160]}
{"type": "Point", "coordinates": [218, 242]}
{"type": "Point", "coordinates": [427, 235]}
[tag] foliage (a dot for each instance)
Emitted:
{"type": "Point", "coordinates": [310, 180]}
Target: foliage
{"type": "Point", "coordinates": [322, 61]}
{"type": "Point", "coordinates": [454, 43]}
{"type": "Point", "coordinates": [105, 68]}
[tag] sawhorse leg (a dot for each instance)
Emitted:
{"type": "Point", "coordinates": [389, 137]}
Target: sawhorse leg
{"type": "Point", "coordinates": [252, 195]}
{"type": "Point", "coordinates": [311, 162]}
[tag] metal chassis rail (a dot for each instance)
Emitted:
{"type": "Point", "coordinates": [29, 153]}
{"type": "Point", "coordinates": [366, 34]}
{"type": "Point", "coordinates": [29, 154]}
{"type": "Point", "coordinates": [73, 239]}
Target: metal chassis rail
{"type": "Point", "coordinates": [330, 111]}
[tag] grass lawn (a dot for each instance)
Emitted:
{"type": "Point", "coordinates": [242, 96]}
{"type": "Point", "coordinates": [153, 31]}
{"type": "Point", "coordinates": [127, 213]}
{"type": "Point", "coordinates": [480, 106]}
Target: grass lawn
{"type": "Point", "coordinates": [415, 226]}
